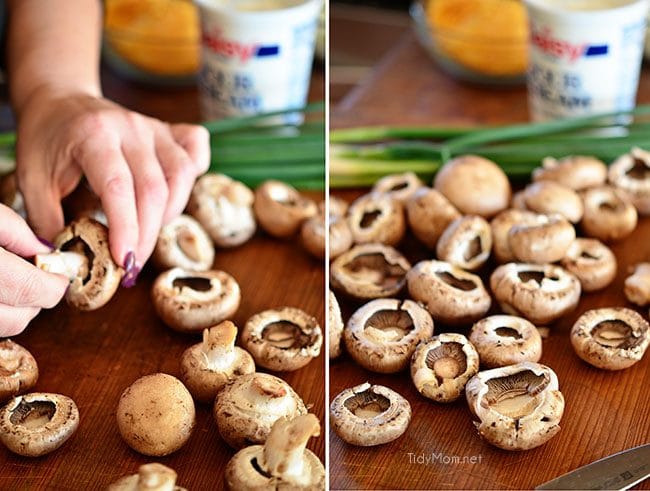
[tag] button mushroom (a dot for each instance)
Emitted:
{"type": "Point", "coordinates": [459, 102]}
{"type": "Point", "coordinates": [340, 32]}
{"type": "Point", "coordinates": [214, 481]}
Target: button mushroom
{"type": "Point", "coordinates": [283, 339]}
{"type": "Point", "coordinates": [501, 226]}
{"type": "Point", "coordinates": [593, 263]}
{"type": "Point", "coordinates": [400, 187]}
{"type": "Point", "coordinates": [451, 295]}
{"type": "Point", "coordinates": [337, 206]}
{"type": "Point", "coordinates": [505, 340]}
{"type": "Point", "coordinates": [637, 285]}
{"type": "Point", "coordinates": [83, 256]}
{"type": "Point", "coordinates": [155, 415]}
{"type": "Point", "coordinates": [340, 236]}
{"type": "Point", "coordinates": [312, 234]}
{"type": "Point", "coordinates": [18, 370]}
{"type": "Point", "coordinates": [208, 366]}
{"type": "Point", "coordinates": [540, 293]}
{"type": "Point", "coordinates": [334, 325]}
{"type": "Point", "coordinates": [247, 407]}
{"type": "Point", "coordinates": [224, 207]}
{"type": "Point", "coordinates": [575, 171]}
{"type": "Point", "coordinates": [429, 213]}
{"type": "Point", "coordinates": [518, 407]}
{"type": "Point", "coordinates": [549, 197]}
{"type": "Point", "coordinates": [150, 477]}
{"type": "Point", "coordinates": [609, 215]}
{"type": "Point", "coordinates": [280, 209]}
{"type": "Point", "coordinates": [282, 462]}
{"type": "Point", "coordinates": [190, 301]}
{"type": "Point", "coordinates": [368, 415]}
{"type": "Point", "coordinates": [474, 185]}
{"type": "Point", "coordinates": [370, 271]}
{"type": "Point", "coordinates": [466, 243]}
{"type": "Point", "coordinates": [382, 335]}
{"type": "Point", "coordinates": [441, 367]}
{"type": "Point", "coordinates": [183, 243]}
{"type": "Point", "coordinates": [36, 424]}
{"type": "Point", "coordinates": [631, 174]}
{"type": "Point", "coordinates": [610, 338]}
{"type": "Point", "coordinates": [542, 239]}
{"type": "Point", "coordinates": [376, 218]}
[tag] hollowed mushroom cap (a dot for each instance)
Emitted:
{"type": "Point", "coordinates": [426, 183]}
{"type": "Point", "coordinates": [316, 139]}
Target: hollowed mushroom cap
{"type": "Point", "coordinates": [505, 340]}
{"type": "Point", "coordinates": [99, 282]}
{"type": "Point", "coordinates": [451, 295]}
{"type": "Point", "coordinates": [610, 338]}
{"type": "Point", "coordinates": [247, 407]}
{"type": "Point", "coordinates": [466, 243]}
{"type": "Point", "coordinates": [609, 215]}
{"type": "Point", "coordinates": [155, 415]}
{"type": "Point", "coordinates": [441, 367]}
{"type": "Point", "coordinates": [190, 301]}
{"type": "Point", "coordinates": [429, 213]}
{"type": "Point", "coordinates": [340, 236]}
{"type": "Point", "coordinates": [282, 462]}
{"type": "Point", "coordinates": [518, 407]}
{"type": "Point", "coordinates": [474, 185]}
{"type": "Point", "coordinates": [224, 207]}
{"type": "Point", "coordinates": [183, 243]}
{"type": "Point", "coordinates": [542, 239]}
{"type": "Point", "coordinates": [548, 197]}
{"type": "Point", "coordinates": [541, 293]}
{"type": "Point", "coordinates": [575, 171]}
{"type": "Point", "coordinates": [631, 174]}
{"type": "Point", "coordinates": [501, 225]}
{"type": "Point", "coordinates": [38, 423]}
{"type": "Point", "coordinates": [18, 370]}
{"type": "Point", "coordinates": [370, 271]}
{"type": "Point", "coordinates": [368, 415]}
{"type": "Point", "coordinates": [376, 218]}
{"type": "Point", "coordinates": [593, 263]}
{"type": "Point", "coordinates": [10, 195]}
{"type": "Point", "coordinates": [334, 325]}
{"type": "Point", "coordinates": [400, 187]}
{"type": "Point", "coordinates": [150, 477]}
{"type": "Point", "coordinates": [382, 335]}
{"type": "Point", "coordinates": [637, 286]}
{"type": "Point", "coordinates": [283, 339]}
{"type": "Point", "coordinates": [280, 209]}
{"type": "Point", "coordinates": [208, 366]}
{"type": "Point", "coordinates": [312, 235]}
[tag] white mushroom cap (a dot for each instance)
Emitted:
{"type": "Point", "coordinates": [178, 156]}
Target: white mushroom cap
{"type": "Point", "coordinates": [283, 339]}
{"type": "Point", "coordinates": [368, 415]}
{"type": "Point", "coordinates": [540, 293]}
{"type": "Point", "coordinates": [631, 174]}
{"type": "Point", "coordinates": [190, 301]}
{"type": "Point", "coordinates": [184, 244]}
{"type": "Point", "coordinates": [466, 243]}
{"type": "Point", "coordinates": [593, 263]}
{"type": "Point", "coordinates": [38, 423]}
{"type": "Point", "coordinates": [150, 477]}
{"type": "Point", "coordinates": [18, 370]}
{"type": "Point", "coordinates": [637, 286]}
{"type": "Point", "coordinates": [451, 295]}
{"type": "Point", "coordinates": [382, 335]}
{"type": "Point", "coordinates": [400, 187]}
{"type": "Point", "coordinates": [609, 215]}
{"type": "Point", "coordinates": [541, 239]}
{"type": "Point", "coordinates": [501, 225]}
{"type": "Point", "coordinates": [474, 185]}
{"type": "Point", "coordinates": [505, 340]}
{"type": "Point", "coordinates": [518, 407]}
{"type": "Point", "coordinates": [575, 171]}
{"type": "Point", "coordinates": [376, 218]}
{"type": "Point", "coordinates": [224, 207]}
{"type": "Point", "coordinates": [610, 338]}
{"type": "Point", "coordinates": [334, 325]}
{"type": "Point", "coordinates": [340, 236]}
{"type": "Point", "coordinates": [441, 367]}
{"type": "Point", "coordinates": [247, 407]}
{"type": "Point", "coordinates": [548, 197]}
{"type": "Point", "coordinates": [280, 209]}
{"type": "Point", "coordinates": [429, 213]}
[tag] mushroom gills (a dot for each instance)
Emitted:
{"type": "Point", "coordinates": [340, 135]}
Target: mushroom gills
{"type": "Point", "coordinates": [285, 335]}
{"type": "Point", "coordinates": [368, 218]}
{"type": "Point", "coordinates": [614, 333]}
{"type": "Point", "coordinates": [459, 283]}
{"type": "Point", "coordinates": [196, 283]}
{"type": "Point", "coordinates": [399, 186]}
{"type": "Point", "coordinates": [187, 243]}
{"type": "Point", "coordinates": [446, 361]}
{"type": "Point", "coordinates": [389, 325]}
{"type": "Point", "coordinates": [375, 269]}
{"type": "Point", "coordinates": [615, 207]}
{"type": "Point", "coordinates": [587, 255]}
{"type": "Point", "coordinates": [508, 332]}
{"type": "Point", "coordinates": [639, 170]}
{"type": "Point", "coordinates": [367, 404]}
{"type": "Point", "coordinates": [536, 276]}
{"type": "Point", "coordinates": [516, 395]}
{"type": "Point", "coordinates": [32, 415]}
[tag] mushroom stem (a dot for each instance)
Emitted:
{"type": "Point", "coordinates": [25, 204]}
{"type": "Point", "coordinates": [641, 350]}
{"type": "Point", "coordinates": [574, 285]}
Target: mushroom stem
{"type": "Point", "coordinates": [219, 345]}
{"type": "Point", "coordinates": [70, 264]}
{"type": "Point", "coordinates": [283, 454]}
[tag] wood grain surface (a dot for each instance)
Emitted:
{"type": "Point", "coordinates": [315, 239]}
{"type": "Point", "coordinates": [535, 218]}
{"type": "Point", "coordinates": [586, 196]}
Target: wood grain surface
{"type": "Point", "coordinates": [605, 412]}
{"type": "Point", "coordinates": [92, 357]}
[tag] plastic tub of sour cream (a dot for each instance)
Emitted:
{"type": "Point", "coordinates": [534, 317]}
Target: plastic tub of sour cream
{"type": "Point", "coordinates": [585, 56]}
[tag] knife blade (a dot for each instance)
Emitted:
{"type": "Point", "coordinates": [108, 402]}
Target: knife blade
{"type": "Point", "coordinates": [618, 471]}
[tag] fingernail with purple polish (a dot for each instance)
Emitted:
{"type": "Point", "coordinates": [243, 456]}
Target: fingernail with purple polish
{"type": "Point", "coordinates": [46, 243]}
{"type": "Point", "coordinates": [131, 271]}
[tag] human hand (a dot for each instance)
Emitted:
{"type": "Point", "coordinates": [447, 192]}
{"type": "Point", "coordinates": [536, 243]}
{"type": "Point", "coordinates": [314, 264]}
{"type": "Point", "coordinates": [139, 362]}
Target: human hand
{"type": "Point", "coordinates": [24, 289]}
{"type": "Point", "coordinates": [142, 169]}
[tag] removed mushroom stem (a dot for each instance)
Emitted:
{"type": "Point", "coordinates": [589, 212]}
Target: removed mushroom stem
{"type": "Point", "coordinates": [18, 370]}
{"type": "Point", "coordinates": [69, 264]}
{"type": "Point", "coordinates": [637, 286]}
{"type": "Point", "coordinates": [150, 477]}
